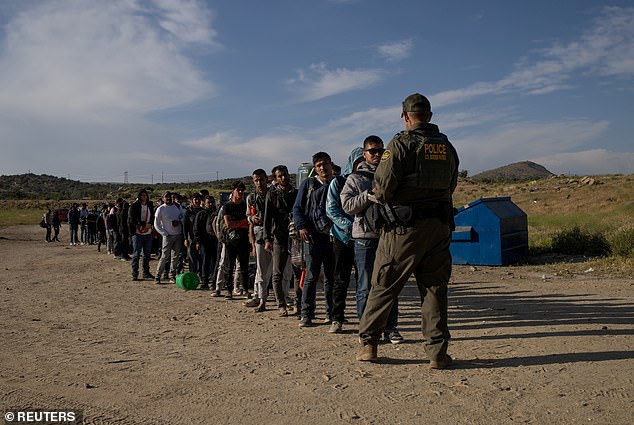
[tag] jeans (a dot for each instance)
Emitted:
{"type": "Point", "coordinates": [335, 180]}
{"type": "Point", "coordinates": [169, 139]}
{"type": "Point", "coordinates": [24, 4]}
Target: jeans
{"type": "Point", "coordinates": [141, 244]}
{"type": "Point", "coordinates": [344, 259]}
{"type": "Point", "coordinates": [209, 255]}
{"type": "Point", "coordinates": [364, 255]}
{"type": "Point", "coordinates": [240, 251]}
{"type": "Point", "coordinates": [264, 264]}
{"type": "Point", "coordinates": [83, 235]}
{"type": "Point", "coordinates": [317, 252]}
{"type": "Point", "coordinates": [283, 272]}
{"type": "Point", "coordinates": [194, 256]}
{"type": "Point", "coordinates": [73, 228]}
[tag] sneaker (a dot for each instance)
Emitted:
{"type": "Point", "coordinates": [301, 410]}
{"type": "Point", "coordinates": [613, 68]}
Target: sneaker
{"type": "Point", "coordinates": [261, 307]}
{"type": "Point", "coordinates": [253, 302]}
{"type": "Point", "coordinates": [335, 327]}
{"type": "Point", "coordinates": [157, 281]}
{"type": "Point", "coordinates": [327, 321]}
{"type": "Point", "coordinates": [442, 362]}
{"type": "Point", "coordinates": [283, 312]}
{"type": "Point", "coordinates": [229, 296]}
{"type": "Point", "coordinates": [367, 353]}
{"type": "Point", "coordinates": [216, 294]}
{"type": "Point", "coordinates": [172, 280]}
{"type": "Point", "coordinates": [393, 336]}
{"type": "Point", "coordinates": [305, 323]}
{"type": "Point", "coordinates": [148, 276]}
{"type": "Point", "coordinates": [135, 278]}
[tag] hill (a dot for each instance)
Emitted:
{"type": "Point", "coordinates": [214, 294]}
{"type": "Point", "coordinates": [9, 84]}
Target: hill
{"type": "Point", "coordinates": [519, 171]}
{"type": "Point", "coordinates": [45, 187]}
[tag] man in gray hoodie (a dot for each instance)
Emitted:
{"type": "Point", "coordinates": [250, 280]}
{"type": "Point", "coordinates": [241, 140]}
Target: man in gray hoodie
{"type": "Point", "coordinates": [356, 198]}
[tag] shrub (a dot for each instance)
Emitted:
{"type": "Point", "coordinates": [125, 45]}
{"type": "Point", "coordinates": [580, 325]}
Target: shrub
{"type": "Point", "coordinates": [622, 242]}
{"type": "Point", "coordinates": [576, 241]}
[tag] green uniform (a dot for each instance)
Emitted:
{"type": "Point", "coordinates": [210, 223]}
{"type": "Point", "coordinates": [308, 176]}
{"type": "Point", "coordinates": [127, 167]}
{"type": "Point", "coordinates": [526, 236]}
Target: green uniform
{"type": "Point", "coordinates": [419, 169]}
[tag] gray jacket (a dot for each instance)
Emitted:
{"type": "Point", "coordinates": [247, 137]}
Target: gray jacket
{"type": "Point", "coordinates": [354, 200]}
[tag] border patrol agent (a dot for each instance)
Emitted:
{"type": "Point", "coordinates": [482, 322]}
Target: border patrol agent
{"type": "Point", "coordinates": [415, 180]}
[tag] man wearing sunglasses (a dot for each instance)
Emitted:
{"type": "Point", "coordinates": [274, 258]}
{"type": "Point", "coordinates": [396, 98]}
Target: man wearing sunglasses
{"type": "Point", "coordinates": [416, 178]}
{"type": "Point", "coordinates": [356, 199]}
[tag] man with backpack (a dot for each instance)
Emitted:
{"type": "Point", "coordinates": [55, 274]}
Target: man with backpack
{"type": "Point", "coordinates": [313, 225]}
{"type": "Point", "coordinates": [263, 258]}
{"type": "Point", "coordinates": [343, 248]}
{"type": "Point", "coordinates": [355, 200]}
{"type": "Point", "coordinates": [277, 219]}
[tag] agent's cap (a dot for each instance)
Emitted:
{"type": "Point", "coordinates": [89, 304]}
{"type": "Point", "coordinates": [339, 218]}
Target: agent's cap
{"type": "Point", "coordinates": [416, 103]}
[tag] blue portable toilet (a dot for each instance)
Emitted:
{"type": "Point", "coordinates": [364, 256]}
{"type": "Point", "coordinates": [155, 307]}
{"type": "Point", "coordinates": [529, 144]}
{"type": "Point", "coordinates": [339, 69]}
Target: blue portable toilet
{"type": "Point", "coordinates": [490, 231]}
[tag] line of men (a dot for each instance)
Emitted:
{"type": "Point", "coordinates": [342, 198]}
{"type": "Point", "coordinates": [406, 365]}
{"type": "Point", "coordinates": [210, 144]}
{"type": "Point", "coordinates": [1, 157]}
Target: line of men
{"type": "Point", "coordinates": [327, 225]}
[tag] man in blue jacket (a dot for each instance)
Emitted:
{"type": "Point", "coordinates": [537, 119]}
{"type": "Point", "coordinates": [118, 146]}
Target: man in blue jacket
{"type": "Point", "coordinates": [317, 245]}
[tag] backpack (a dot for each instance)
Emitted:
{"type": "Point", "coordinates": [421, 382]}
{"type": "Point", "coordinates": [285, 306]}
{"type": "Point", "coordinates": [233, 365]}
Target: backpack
{"type": "Point", "coordinates": [292, 230]}
{"type": "Point", "coordinates": [316, 206]}
{"type": "Point", "coordinates": [221, 226]}
{"type": "Point", "coordinates": [209, 222]}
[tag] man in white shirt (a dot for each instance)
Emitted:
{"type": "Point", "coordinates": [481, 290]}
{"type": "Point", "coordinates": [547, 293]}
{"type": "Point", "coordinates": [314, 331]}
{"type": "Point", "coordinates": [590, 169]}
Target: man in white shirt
{"type": "Point", "coordinates": [168, 221]}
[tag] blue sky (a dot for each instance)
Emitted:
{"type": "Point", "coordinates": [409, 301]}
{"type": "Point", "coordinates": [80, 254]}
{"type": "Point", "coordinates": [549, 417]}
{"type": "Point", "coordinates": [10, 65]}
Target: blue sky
{"type": "Point", "coordinates": [191, 90]}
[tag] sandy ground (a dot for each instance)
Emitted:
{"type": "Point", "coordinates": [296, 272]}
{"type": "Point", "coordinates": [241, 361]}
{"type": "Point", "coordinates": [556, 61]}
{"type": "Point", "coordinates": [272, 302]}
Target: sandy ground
{"type": "Point", "coordinates": [530, 347]}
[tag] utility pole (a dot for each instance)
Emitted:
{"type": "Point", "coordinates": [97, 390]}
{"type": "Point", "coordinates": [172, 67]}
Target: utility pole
{"type": "Point", "coordinates": [152, 179]}
{"type": "Point", "coordinates": [125, 177]}
{"type": "Point", "coordinates": [216, 175]}
{"type": "Point", "coordinates": [162, 181]}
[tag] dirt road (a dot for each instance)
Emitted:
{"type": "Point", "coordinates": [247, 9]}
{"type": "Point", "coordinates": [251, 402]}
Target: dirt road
{"type": "Point", "coordinates": [530, 347]}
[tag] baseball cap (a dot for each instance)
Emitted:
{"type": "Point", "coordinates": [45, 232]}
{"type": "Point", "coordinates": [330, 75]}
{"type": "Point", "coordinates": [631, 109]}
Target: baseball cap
{"type": "Point", "coordinates": [416, 103]}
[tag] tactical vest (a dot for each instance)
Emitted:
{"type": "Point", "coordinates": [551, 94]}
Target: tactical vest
{"type": "Point", "coordinates": [434, 156]}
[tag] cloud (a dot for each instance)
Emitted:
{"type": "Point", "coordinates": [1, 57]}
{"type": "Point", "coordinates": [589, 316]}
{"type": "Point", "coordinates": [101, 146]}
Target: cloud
{"type": "Point", "coordinates": [397, 50]}
{"type": "Point", "coordinates": [605, 49]}
{"type": "Point", "coordinates": [257, 152]}
{"type": "Point", "coordinates": [318, 82]}
{"type": "Point", "coordinates": [589, 162]}
{"type": "Point", "coordinates": [93, 57]}
{"type": "Point", "coordinates": [186, 21]}
{"type": "Point", "coordinates": [520, 141]}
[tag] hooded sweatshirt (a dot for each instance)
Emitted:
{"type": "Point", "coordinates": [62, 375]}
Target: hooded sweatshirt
{"type": "Point", "coordinates": [354, 199]}
{"type": "Point", "coordinates": [341, 221]}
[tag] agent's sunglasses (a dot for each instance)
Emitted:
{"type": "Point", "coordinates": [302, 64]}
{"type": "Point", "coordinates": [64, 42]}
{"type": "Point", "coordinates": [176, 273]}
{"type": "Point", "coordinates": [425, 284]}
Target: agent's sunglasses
{"type": "Point", "coordinates": [375, 151]}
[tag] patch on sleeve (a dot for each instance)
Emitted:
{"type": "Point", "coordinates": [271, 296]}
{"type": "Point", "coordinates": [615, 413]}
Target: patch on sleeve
{"type": "Point", "coordinates": [386, 155]}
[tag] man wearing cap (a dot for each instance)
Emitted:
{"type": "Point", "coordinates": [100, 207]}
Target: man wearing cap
{"type": "Point", "coordinates": [416, 178]}
{"type": "Point", "coordinates": [168, 221]}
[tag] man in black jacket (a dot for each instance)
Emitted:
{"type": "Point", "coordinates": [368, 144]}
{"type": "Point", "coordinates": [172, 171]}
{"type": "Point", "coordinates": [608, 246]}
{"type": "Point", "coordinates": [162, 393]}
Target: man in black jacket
{"type": "Point", "coordinates": [140, 219]}
{"type": "Point", "coordinates": [190, 215]}
{"type": "Point", "coordinates": [278, 209]}
{"type": "Point", "coordinates": [205, 241]}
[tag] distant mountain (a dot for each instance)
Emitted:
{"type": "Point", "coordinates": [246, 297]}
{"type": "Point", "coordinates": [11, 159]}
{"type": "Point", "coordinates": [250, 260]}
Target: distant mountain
{"type": "Point", "coordinates": [525, 170]}
{"type": "Point", "coordinates": [35, 186]}
{"type": "Point", "coordinates": [46, 187]}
